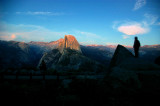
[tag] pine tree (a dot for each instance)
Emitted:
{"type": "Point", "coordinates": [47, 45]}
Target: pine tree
{"type": "Point", "coordinates": [43, 65]}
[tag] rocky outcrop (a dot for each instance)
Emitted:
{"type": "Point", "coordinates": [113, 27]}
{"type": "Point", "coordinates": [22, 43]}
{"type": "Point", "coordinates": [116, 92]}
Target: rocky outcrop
{"type": "Point", "coordinates": [50, 58]}
{"type": "Point", "coordinates": [124, 67]}
{"type": "Point", "coordinates": [70, 42]}
{"type": "Point", "coordinates": [121, 54]}
{"type": "Point", "coordinates": [123, 58]}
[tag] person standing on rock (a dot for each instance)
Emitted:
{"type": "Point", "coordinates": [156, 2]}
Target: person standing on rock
{"type": "Point", "coordinates": [136, 47]}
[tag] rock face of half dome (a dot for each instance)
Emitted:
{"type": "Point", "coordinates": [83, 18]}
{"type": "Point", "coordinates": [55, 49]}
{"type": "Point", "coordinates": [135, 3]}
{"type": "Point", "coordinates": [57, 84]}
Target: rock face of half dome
{"type": "Point", "coordinates": [70, 42]}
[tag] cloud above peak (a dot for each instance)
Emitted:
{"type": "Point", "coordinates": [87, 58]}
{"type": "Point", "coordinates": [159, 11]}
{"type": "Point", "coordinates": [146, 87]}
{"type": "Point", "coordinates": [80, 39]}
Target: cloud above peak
{"type": "Point", "coordinates": [139, 4]}
{"type": "Point", "coordinates": [133, 29]}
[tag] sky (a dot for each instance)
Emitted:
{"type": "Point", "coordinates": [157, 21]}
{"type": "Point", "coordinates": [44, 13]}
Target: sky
{"type": "Point", "coordinates": [102, 22]}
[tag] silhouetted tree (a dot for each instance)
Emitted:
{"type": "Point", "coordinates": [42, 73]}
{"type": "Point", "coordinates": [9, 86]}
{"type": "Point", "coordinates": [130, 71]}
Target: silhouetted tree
{"type": "Point", "coordinates": [43, 65]}
{"type": "Point", "coordinates": [136, 46]}
{"type": "Point", "coordinates": [43, 68]}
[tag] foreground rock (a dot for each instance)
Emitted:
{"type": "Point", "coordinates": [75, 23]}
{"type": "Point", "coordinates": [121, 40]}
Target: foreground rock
{"type": "Point", "coordinates": [128, 71]}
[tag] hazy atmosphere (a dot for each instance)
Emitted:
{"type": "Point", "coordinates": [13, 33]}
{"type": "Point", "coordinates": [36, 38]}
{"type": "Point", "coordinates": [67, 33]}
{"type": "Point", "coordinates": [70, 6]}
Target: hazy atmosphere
{"type": "Point", "coordinates": [102, 22]}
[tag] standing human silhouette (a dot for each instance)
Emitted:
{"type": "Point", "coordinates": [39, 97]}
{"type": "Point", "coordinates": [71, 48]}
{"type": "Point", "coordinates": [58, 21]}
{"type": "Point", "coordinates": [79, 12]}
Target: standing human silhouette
{"type": "Point", "coordinates": [136, 47]}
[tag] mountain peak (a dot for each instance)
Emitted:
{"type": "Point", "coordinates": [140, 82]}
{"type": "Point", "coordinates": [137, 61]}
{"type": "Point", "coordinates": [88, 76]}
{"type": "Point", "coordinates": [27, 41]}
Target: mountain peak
{"type": "Point", "coordinates": [70, 42]}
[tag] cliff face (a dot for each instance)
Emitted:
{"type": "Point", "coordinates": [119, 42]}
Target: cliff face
{"type": "Point", "coordinates": [68, 56]}
{"type": "Point", "coordinates": [70, 42]}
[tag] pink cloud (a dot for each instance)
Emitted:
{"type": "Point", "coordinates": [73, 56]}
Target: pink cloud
{"type": "Point", "coordinates": [132, 29]}
{"type": "Point", "coordinates": [13, 36]}
{"type": "Point", "coordinates": [125, 36]}
{"type": "Point", "coordinates": [8, 37]}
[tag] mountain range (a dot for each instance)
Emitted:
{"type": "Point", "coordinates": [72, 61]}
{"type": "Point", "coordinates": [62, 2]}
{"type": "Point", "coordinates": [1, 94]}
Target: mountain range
{"type": "Point", "coordinates": [17, 55]}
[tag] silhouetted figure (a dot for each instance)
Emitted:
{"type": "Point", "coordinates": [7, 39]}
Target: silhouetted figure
{"type": "Point", "coordinates": [136, 46]}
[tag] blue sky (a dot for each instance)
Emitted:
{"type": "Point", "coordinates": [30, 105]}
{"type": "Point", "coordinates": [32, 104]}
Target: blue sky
{"type": "Point", "coordinates": [90, 21]}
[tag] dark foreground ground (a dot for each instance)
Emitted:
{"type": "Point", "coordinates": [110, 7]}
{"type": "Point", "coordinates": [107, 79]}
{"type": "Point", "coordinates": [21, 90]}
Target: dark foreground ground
{"type": "Point", "coordinates": [74, 92]}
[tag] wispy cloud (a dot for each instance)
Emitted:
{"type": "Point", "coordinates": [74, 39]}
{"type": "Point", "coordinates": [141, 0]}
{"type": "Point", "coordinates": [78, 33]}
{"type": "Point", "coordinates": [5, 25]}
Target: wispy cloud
{"type": "Point", "coordinates": [115, 23]}
{"type": "Point", "coordinates": [150, 18]}
{"type": "Point", "coordinates": [22, 32]}
{"type": "Point", "coordinates": [125, 36]}
{"type": "Point", "coordinates": [40, 13]}
{"type": "Point", "coordinates": [87, 38]}
{"type": "Point", "coordinates": [27, 33]}
{"type": "Point", "coordinates": [158, 23]}
{"type": "Point", "coordinates": [139, 4]}
{"type": "Point", "coordinates": [89, 34]}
